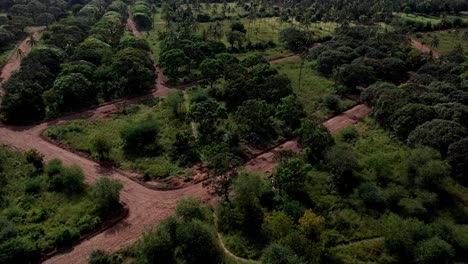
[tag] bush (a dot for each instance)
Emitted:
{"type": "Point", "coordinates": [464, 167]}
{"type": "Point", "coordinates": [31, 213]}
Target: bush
{"type": "Point", "coordinates": [99, 257]}
{"type": "Point", "coordinates": [278, 254]}
{"type": "Point", "coordinates": [68, 180]}
{"type": "Point", "coordinates": [140, 138]}
{"type": "Point", "coordinates": [106, 194]}
{"type": "Point", "coordinates": [35, 158]}
{"type": "Point", "coordinates": [332, 102]}
{"type": "Point", "coordinates": [192, 209]}
{"type": "Point", "coordinates": [434, 250]}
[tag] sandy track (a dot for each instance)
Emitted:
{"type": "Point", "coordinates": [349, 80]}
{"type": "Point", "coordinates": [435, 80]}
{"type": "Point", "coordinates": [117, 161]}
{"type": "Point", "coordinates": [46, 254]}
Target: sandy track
{"type": "Point", "coordinates": [424, 48]}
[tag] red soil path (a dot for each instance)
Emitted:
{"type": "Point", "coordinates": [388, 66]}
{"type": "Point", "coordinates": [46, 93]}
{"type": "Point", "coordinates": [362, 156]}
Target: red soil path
{"type": "Point", "coordinates": [424, 48]}
{"type": "Point", "coordinates": [13, 63]}
{"type": "Point", "coordinates": [147, 207]}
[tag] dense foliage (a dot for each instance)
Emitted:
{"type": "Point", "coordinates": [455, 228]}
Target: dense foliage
{"type": "Point", "coordinates": [86, 60]}
{"type": "Point", "coordinates": [48, 206]}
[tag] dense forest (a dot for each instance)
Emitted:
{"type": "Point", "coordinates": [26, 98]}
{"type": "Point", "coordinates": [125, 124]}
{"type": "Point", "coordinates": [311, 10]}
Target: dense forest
{"type": "Point", "coordinates": [240, 131]}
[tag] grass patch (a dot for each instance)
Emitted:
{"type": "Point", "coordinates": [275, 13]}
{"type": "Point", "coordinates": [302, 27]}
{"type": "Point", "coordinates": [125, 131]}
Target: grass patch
{"type": "Point", "coordinates": [420, 18]}
{"type": "Point", "coordinates": [79, 134]}
{"type": "Point", "coordinates": [448, 40]}
{"type": "Point", "coordinates": [313, 88]}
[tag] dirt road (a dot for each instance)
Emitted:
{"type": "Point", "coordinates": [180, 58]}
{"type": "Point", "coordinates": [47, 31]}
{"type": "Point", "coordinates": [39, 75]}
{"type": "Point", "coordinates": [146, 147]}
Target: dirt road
{"type": "Point", "coordinates": [424, 48]}
{"type": "Point", "coordinates": [13, 63]}
{"type": "Point", "coordinates": [146, 207]}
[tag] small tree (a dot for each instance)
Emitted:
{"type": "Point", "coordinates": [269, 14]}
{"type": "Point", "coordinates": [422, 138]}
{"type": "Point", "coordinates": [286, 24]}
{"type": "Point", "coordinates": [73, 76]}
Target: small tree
{"type": "Point", "coordinates": [101, 145]}
{"type": "Point", "coordinates": [315, 138]}
{"type": "Point", "coordinates": [106, 194]}
{"type": "Point", "coordinates": [212, 69]}
{"type": "Point", "coordinates": [222, 171]}
{"type": "Point", "coordinates": [35, 158]}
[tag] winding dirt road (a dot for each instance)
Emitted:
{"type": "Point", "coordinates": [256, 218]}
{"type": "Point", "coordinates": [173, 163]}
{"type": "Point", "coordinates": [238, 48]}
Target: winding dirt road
{"type": "Point", "coordinates": [147, 207]}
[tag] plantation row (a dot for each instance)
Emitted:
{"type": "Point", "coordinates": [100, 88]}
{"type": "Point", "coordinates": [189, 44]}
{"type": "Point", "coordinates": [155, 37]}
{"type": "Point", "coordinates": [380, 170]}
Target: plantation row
{"type": "Point", "coordinates": [87, 59]}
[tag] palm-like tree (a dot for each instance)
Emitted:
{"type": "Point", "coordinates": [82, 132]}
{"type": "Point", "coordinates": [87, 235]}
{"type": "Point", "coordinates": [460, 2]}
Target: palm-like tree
{"type": "Point", "coordinates": [435, 42]}
{"type": "Point", "coordinates": [32, 41]}
{"type": "Point", "coordinates": [20, 53]}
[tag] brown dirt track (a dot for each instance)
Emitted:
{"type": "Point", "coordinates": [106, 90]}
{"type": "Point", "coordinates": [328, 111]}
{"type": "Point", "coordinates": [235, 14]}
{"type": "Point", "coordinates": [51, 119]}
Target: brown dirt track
{"type": "Point", "coordinates": [14, 61]}
{"type": "Point", "coordinates": [146, 207]}
{"type": "Point", "coordinates": [424, 48]}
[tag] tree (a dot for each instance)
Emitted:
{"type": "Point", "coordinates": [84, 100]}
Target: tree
{"type": "Point", "coordinates": [184, 149]}
{"type": "Point", "coordinates": [140, 138]}
{"type": "Point", "coordinates": [159, 245]}
{"type": "Point", "coordinates": [253, 120]}
{"type": "Point", "coordinates": [175, 100]}
{"type": "Point", "coordinates": [197, 243]}
{"type": "Point", "coordinates": [69, 92]}
{"type": "Point", "coordinates": [69, 180]}
{"type": "Point", "coordinates": [293, 39]}
{"type": "Point", "coordinates": [101, 145]}
{"type": "Point", "coordinates": [212, 69]}
{"type": "Point", "coordinates": [341, 162]}
{"type": "Point", "coordinates": [315, 139]}
{"type": "Point", "coordinates": [99, 257]}
{"type": "Point", "coordinates": [433, 174]}
{"type": "Point", "coordinates": [106, 194]}
{"type": "Point", "coordinates": [402, 235]}
{"type": "Point", "coordinates": [172, 62]}
{"type": "Point", "coordinates": [328, 60]}
{"type": "Point", "coordinates": [438, 134]}
{"type": "Point", "coordinates": [277, 225]}
{"type": "Point", "coordinates": [289, 178]}
{"type": "Point", "coordinates": [434, 250]}
{"type": "Point", "coordinates": [434, 42]}
{"type": "Point", "coordinates": [32, 41]}
{"type": "Point", "coordinates": [234, 37]}
{"type": "Point", "coordinates": [289, 110]}
{"type": "Point", "coordinates": [189, 209]}
{"type": "Point", "coordinates": [407, 118]}
{"type": "Point", "coordinates": [278, 254]}
{"type": "Point", "coordinates": [35, 158]}
{"type": "Point", "coordinates": [355, 74]}
{"type": "Point", "coordinates": [457, 158]}
{"type": "Point", "coordinates": [311, 224]}
{"type": "Point", "coordinates": [222, 171]}
{"type": "Point", "coordinates": [208, 114]}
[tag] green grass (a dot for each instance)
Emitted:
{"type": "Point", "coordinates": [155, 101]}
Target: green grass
{"type": "Point", "coordinates": [448, 40]}
{"type": "Point", "coordinates": [420, 18]}
{"type": "Point", "coordinates": [268, 29]}
{"type": "Point", "coordinates": [313, 88]}
{"type": "Point", "coordinates": [260, 29]}
{"type": "Point", "coordinates": [78, 134]}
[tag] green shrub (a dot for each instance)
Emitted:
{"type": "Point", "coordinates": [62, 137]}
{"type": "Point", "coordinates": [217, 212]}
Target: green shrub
{"type": "Point", "coordinates": [140, 138]}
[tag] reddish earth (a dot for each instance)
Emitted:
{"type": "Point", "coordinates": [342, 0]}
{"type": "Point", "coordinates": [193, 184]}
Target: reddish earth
{"type": "Point", "coordinates": [13, 63]}
{"type": "Point", "coordinates": [347, 118]}
{"type": "Point", "coordinates": [424, 48]}
{"type": "Point", "coordinates": [147, 207]}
